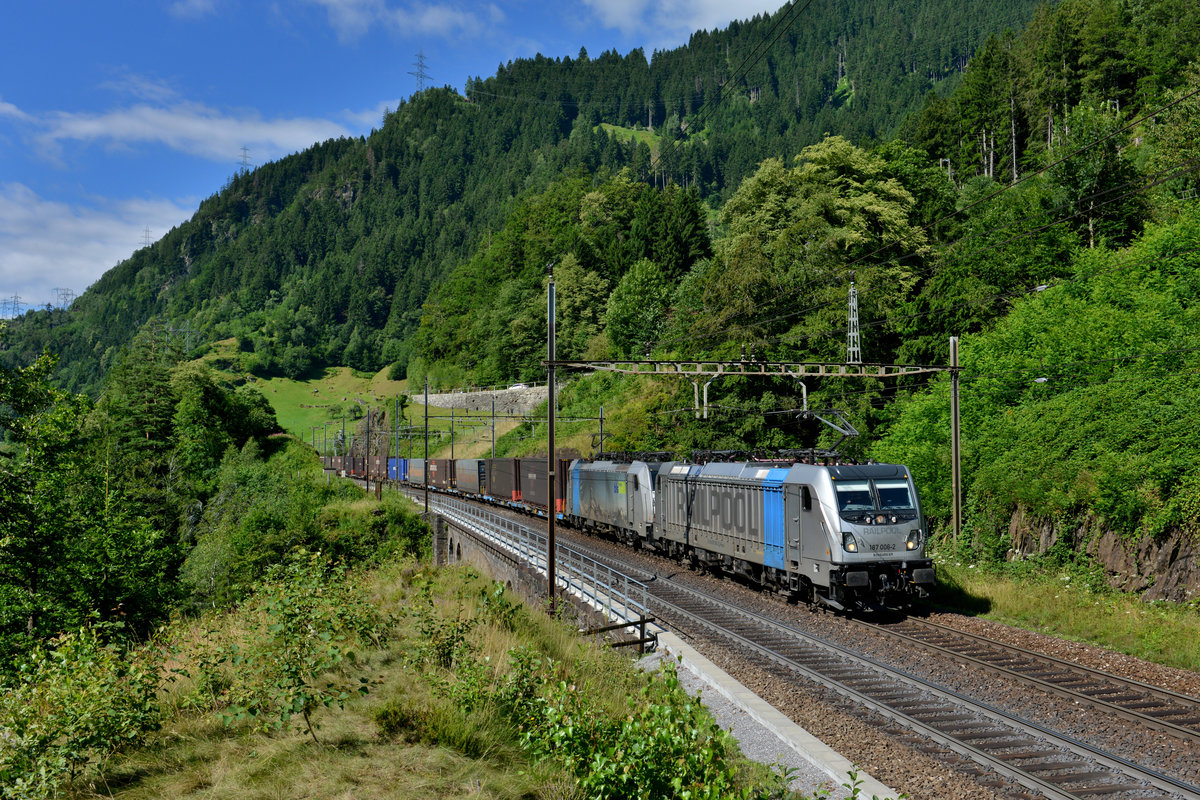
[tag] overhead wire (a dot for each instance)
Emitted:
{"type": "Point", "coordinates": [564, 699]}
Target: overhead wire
{"type": "Point", "coordinates": [794, 11]}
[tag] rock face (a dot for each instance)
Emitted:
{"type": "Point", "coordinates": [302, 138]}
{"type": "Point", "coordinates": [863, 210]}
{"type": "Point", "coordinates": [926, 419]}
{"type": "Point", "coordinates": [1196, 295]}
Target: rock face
{"type": "Point", "coordinates": [508, 401]}
{"type": "Point", "coordinates": [1163, 568]}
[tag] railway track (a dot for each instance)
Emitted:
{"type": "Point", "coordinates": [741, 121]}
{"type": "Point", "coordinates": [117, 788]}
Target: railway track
{"type": "Point", "coordinates": [1032, 756]}
{"type": "Point", "coordinates": [1149, 706]}
{"type": "Point", "coordinates": [1041, 761]}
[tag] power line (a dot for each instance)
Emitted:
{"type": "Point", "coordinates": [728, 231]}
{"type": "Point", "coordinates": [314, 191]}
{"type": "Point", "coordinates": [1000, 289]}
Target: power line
{"type": "Point", "coordinates": [756, 55]}
{"type": "Point", "coordinates": [12, 306]}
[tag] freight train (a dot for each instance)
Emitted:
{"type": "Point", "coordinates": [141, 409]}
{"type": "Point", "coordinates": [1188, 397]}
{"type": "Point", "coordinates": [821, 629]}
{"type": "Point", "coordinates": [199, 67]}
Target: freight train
{"type": "Point", "coordinates": [847, 536]}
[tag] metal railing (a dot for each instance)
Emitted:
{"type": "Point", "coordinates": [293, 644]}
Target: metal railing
{"type": "Point", "coordinates": [614, 592]}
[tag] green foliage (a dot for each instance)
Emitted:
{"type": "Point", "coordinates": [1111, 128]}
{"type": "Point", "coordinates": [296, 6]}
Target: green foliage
{"type": "Point", "coordinates": [1096, 183]}
{"type": "Point", "coordinates": [593, 231]}
{"type": "Point", "coordinates": [788, 231]}
{"type": "Point", "coordinates": [1077, 404]}
{"type": "Point", "coordinates": [652, 742]}
{"type": "Point", "coordinates": [498, 608]}
{"type": "Point", "coordinates": [667, 746]}
{"type": "Point", "coordinates": [69, 708]}
{"type": "Point", "coordinates": [442, 641]}
{"type": "Point", "coordinates": [263, 508]}
{"type": "Point", "coordinates": [1020, 95]}
{"type": "Point", "coordinates": [310, 623]}
{"type": "Point", "coordinates": [974, 278]}
{"type": "Point", "coordinates": [637, 309]}
{"type": "Point", "coordinates": [372, 533]}
{"type": "Point", "coordinates": [74, 543]}
{"type": "Point", "coordinates": [1177, 136]}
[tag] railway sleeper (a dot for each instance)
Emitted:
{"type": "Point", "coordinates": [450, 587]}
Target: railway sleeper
{"type": "Point", "coordinates": [1026, 755]}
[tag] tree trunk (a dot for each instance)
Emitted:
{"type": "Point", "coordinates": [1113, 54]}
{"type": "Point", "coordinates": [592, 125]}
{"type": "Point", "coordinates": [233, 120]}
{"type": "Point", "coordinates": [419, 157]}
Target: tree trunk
{"type": "Point", "coordinates": [1012, 126]}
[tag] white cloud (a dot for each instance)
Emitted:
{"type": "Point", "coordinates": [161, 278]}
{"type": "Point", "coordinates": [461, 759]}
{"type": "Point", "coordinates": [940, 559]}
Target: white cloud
{"type": "Point", "coordinates": [372, 117]}
{"type": "Point", "coordinates": [9, 110]}
{"type": "Point", "coordinates": [48, 244]}
{"type": "Point", "coordinates": [434, 20]}
{"type": "Point", "coordinates": [664, 24]}
{"type": "Point", "coordinates": [352, 19]}
{"type": "Point", "coordinates": [189, 128]}
{"type": "Point", "coordinates": [141, 87]}
{"type": "Point", "coordinates": [627, 16]}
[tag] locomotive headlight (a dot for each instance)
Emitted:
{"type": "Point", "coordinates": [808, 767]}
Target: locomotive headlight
{"type": "Point", "coordinates": [914, 540]}
{"type": "Point", "coordinates": [848, 543]}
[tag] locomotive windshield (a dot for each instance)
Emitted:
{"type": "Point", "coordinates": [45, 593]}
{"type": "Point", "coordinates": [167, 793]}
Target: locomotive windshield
{"type": "Point", "coordinates": [855, 496]}
{"type": "Point", "coordinates": [894, 495]}
{"type": "Point", "coordinates": [875, 500]}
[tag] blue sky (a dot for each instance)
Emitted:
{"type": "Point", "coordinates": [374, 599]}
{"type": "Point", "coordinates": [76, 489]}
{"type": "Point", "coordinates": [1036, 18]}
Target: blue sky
{"type": "Point", "coordinates": [118, 116]}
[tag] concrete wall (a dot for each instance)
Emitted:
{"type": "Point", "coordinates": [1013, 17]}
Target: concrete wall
{"type": "Point", "coordinates": [508, 401]}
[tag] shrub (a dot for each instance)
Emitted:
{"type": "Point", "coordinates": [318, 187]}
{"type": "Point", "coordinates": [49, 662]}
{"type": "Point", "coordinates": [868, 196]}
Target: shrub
{"type": "Point", "coordinates": [70, 707]}
{"type": "Point", "coordinates": [292, 660]}
{"type": "Point", "coordinates": [374, 531]}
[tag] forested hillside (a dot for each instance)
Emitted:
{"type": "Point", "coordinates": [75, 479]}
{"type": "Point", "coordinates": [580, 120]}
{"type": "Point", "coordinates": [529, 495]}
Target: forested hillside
{"type": "Point", "coordinates": [1044, 211]}
{"type": "Point", "coordinates": [1025, 180]}
{"type": "Point", "coordinates": [1042, 208]}
{"type": "Point", "coordinates": [326, 256]}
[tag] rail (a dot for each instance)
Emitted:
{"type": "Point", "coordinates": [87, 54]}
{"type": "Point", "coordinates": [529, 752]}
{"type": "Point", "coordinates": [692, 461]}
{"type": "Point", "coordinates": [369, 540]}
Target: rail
{"type": "Point", "coordinates": [607, 589]}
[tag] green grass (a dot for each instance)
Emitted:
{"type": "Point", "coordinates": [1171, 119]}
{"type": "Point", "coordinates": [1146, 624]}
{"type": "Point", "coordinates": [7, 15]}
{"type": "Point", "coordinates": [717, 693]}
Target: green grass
{"type": "Point", "coordinates": [1070, 602]}
{"type": "Point", "coordinates": [642, 136]}
{"type": "Point", "coordinates": [321, 401]}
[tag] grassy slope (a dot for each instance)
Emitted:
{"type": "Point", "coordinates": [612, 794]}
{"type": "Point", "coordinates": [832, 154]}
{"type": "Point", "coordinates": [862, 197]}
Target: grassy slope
{"type": "Point", "coordinates": [642, 136]}
{"type": "Point", "coordinates": [195, 755]}
{"type": "Point", "coordinates": [301, 405]}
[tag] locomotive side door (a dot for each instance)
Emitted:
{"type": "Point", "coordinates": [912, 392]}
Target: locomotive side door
{"type": "Point", "coordinates": [792, 515]}
{"type": "Point", "coordinates": [630, 486]}
{"type": "Point", "coordinates": [815, 539]}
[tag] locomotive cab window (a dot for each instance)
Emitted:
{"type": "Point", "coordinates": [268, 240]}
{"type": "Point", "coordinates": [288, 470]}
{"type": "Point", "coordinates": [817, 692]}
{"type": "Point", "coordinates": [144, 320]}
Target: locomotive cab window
{"type": "Point", "coordinates": [855, 496]}
{"type": "Point", "coordinates": [894, 496]}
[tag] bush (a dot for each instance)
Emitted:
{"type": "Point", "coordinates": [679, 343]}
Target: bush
{"type": "Point", "coordinates": [70, 707]}
{"type": "Point", "coordinates": [371, 532]}
{"type": "Point", "coordinates": [667, 746]}
{"type": "Point", "coordinates": [292, 658]}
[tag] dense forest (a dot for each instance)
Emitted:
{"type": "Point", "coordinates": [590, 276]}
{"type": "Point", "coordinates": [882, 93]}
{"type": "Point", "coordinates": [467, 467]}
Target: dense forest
{"type": "Point", "coordinates": [1022, 178]}
{"type": "Point", "coordinates": [326, 257]}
